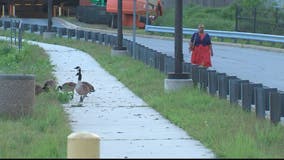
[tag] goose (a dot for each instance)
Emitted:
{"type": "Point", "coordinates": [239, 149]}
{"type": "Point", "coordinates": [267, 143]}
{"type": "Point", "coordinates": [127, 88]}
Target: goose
{"type": "Point", "coordinates": [68, 87]}
{"type": "Point", "coordinates": [82, 88]}
{"type": "Point", "coordinates": [49, 84]}
{"type": "Point", "coordinates": [92, 89]}
{"type": "Point", "coordinates": [38, 89]}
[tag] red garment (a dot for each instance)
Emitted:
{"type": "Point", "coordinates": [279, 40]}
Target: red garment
{"type": "Point", "coordinates": [201, 54]}
{"type": "Point", "coordinates": [201, 36]}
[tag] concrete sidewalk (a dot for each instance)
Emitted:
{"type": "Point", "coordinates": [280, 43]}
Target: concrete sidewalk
{"type": "Point", "coordinates": [128, 128]}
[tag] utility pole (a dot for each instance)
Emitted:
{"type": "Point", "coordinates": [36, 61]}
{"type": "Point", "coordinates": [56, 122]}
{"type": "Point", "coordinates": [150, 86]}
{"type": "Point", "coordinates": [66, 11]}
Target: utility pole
{"type": "Point", "coordinates": [119, 25]}
{"type": "Point", "coordinates": [119, 49]}
{"type": "Point", "coordinates": [48, 33]}
{"type": "Point", "coordinates": [147, 12]}
{"type": "Point", "coordinates": [178, 79]}
{"type": "Point", "coordinates": [49, 24]}
{"type": "Point", "coordinates": [134, 27]}
{"type": "Point", "coordinates": [178, 37]}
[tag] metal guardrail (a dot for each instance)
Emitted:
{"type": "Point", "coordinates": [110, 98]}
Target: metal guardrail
{"type": "Point", "coordinates": [221, 34]}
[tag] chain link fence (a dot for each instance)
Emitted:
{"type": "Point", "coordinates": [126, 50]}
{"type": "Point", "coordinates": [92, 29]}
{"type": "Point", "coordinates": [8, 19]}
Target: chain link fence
{"type": "Point", "coordinates": [257, 20]}
{"type": "Point", "coordinates": [16, 30]}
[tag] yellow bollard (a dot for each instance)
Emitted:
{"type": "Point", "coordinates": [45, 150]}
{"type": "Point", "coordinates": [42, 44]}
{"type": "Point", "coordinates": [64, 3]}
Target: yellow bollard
{"type": "Point", "coordinates": [59, 11]}
{"type": "Point", "coordinates": [83, 145]}
{"type": "Point", "coordinates": [3, 10]}
{"type": "Point", "coordinates": [14, 11]}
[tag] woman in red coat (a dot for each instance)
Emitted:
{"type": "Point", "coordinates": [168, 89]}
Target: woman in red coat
{"type": "Point", "coordinates": [201, 47]}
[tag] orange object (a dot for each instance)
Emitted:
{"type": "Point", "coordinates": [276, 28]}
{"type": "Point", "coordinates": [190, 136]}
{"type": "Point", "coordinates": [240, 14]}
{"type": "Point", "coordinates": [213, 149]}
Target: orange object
{"type": "Point", "coordinates": [127, 11]}
{"type": "Point", "coordinates": [85, 3]}
{"type": "Point", "coordinates": [127, 6]}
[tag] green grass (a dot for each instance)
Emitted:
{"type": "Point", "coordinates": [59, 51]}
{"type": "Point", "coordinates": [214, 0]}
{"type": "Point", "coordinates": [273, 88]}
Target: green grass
{"type": "Point", "coordinates": [226, 129]}
{"type": "Point", "coordinates": [43, 133]}
{"type": "Point", "coordinates": [213, 18]}
{"type": "Point", "coordinates": [29, 60]}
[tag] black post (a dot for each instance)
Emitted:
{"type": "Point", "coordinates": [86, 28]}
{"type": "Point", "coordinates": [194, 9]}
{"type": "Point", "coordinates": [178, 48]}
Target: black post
{"type": "Point", "coordinates": [118, 49]}
{"type": "Point", "coordinates": [178, 79]}
{"type": "Point", "coordinates": [254, 20]}
{"type": "Point", "coordinates": [277, 16]}
{"type": "Point", "coordinates": [178, 44]}
{"type": "Point", "coordinates": [259, 103]}
{"type": "Point", "coordinates": [178, 37]}
{"type": "Point", "coordinates": [49, 15]}
{"type": "Point", "coordinates": [275, 110]}
{"type": "Point", "coordinates": [237, 18]}
{"type": "Point", "coordinates": [119, 26]}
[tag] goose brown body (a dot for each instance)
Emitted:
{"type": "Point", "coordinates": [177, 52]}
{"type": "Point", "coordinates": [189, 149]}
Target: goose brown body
{"type": "Point", "coordinates": [38, 89]}
{"type": "Point", "coordinates": [49, 84]}
{"type": "Point", "coordinates": [91, 87]}
{"type": "Point", "coordinates": [67, 86]}
{"type": "Point", "coordinates": [82, 89]}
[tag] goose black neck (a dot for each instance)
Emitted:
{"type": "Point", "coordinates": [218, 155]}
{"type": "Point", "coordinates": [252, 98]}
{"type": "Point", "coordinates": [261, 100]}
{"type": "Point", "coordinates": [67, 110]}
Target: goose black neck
{"type": "Point", "coordinates": [79, 75]}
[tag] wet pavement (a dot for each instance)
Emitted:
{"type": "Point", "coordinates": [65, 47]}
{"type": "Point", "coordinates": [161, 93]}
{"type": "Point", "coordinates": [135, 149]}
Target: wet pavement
{"type": "Point", "coordinates": [127, 126]}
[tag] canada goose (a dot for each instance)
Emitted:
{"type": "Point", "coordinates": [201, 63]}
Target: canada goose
{"type": "Point", "coordinates": [49, 84]}
{"type": "Point", "coordinates": [38, 89]}
{"type": "Point", "coordinates": [82, 88]}
{"type": "Point", "coordinates": [68, 87]}
{"type": "Point", "coordinates": [92, 89]}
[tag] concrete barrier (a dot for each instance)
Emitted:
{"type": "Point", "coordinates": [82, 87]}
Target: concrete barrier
{"type": "Point", "coordinates": [234, 90]}
{"type": "Point", "coordinates": [60, 32]}
{"type": "Point", "coordinates": [87, 35]}
{"type": "Point", "coordinates": [195, 74]}
{"type": "Point", "coordinates": [259, 103]}
{"type": "Point", "coordinates": [101, 38]}
{"type": "Point", "coordinates": [71, 33]}
{"type": "Point", "coordinates": [42, 29]}
{"type": "Point", "coordinates": [220, 85]}
{"type": "Point", "coordinates": [34, 28]}
{"type": "Point", "coordinates": [275, 107]}
{"type": "Point", "coordinates": [203, 78]}
{"type": "Point", "coordinates": [17, 94]}
{"type": "Point", "coordinates": [246, 96]}
{"type": "Point", "coordinates": [212, 82]}
{"type": "Point", "coordinates": [48, 35]}
{"type": "Point", "coordinates": [267, 91]}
